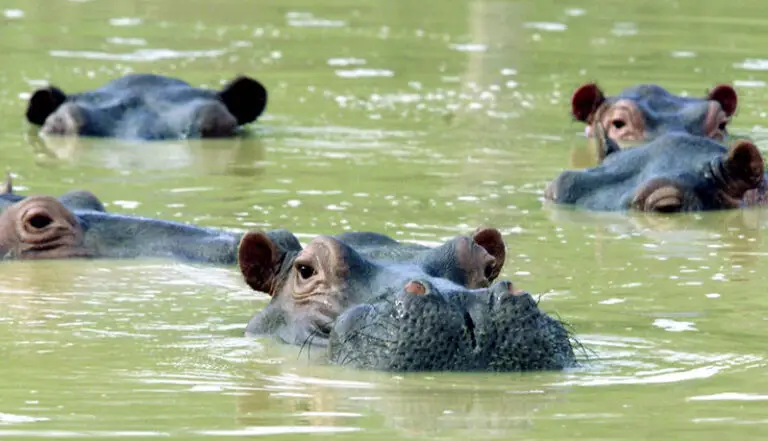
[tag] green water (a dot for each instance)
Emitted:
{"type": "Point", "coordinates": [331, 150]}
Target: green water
{"type": "Point", "coordinates": [420, 119]}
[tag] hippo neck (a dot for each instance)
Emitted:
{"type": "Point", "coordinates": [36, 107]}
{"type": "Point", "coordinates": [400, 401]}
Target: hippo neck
{"type": "Point", "coordinates": [118, 236]}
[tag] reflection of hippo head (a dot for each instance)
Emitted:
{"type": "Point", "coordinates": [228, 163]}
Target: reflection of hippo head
{"type": "Point", "coordinates": [674, 172]}
{"type": "Point", "coordinates": [646, 111]}
{"type": "Point", "coordinates": [430, 309]}
{"type": "Point", "coordinates": [144, 106]}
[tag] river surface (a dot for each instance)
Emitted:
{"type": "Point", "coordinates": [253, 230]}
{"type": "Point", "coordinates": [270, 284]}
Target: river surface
{"type": "Point", "coordinates": [419, 119]}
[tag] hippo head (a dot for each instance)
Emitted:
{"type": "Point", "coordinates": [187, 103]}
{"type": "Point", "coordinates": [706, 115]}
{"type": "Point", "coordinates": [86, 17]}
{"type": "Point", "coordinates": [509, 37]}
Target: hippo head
{"type": "Point", "coordinates": [329, 294]}
{"type": "Point", "coordinates": [674, 172]}
{"type": "Point", "coordinates": [426, 326]}
{"type": "Point", "coordinates": [146, 106]}
{"type": "Point", "coordinates": [40, 227]}
{"type": "Point", "coordinates": [644, 112]}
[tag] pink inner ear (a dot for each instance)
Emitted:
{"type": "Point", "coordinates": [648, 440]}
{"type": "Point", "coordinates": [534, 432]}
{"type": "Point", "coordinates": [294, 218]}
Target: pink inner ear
{"type": "Point", "coordinates": [585, 101]}
{"type": "Point", "coordinates": [726, 96]}
{"type": "Point", "coordinates": [493, 243]}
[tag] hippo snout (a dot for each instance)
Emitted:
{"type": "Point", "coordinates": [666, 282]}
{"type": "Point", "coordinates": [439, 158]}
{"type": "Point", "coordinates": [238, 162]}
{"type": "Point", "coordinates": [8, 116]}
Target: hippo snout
{"type": "Point", "coordinates": [424, 327]}
{"type": "Point", "coordinates": [40, 227]}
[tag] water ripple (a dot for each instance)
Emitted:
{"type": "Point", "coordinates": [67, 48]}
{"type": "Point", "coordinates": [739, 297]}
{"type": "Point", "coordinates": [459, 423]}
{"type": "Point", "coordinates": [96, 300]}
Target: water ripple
{"type": "Point", "coordinates": [140, 55]}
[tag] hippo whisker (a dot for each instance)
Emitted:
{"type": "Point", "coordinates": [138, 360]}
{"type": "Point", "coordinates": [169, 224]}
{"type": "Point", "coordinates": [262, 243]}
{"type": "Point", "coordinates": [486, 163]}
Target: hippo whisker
{"type": "Point", "coordinates": [308, 343]}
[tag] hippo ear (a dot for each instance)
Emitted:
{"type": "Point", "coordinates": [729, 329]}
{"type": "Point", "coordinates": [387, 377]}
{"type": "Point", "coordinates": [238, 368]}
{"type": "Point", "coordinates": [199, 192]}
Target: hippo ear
{"type": "Point", "coordinates": [245, 98]}
{"type": "Point", "coordinates": [257, 256]}
{"type": "Point", "coordinates": [744, 167]}
{"type": "Point", "coordinates": [491, 240]}
{"type": "Point", "coordinates": [726, 96]}
{"type": "Point", "coordinates": [43, 103]}
{"type": "Point", "coordinates": [585, 102]}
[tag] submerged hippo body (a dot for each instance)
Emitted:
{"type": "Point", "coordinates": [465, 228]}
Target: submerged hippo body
{"type": "Point", "coordinates": [644, 112]}
{"type": "Point", "coordinates": [674, 172]}
{"type": "Point", "coordinates": [148, 107]}
{"type": "Point", "coordinates": [397, 307]}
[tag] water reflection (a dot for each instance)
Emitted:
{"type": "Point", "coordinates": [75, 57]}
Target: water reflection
{"type": "Point", "coordinates": [411, 405]}
{"type": "Point", "coordinates": [738, 233]}
{"type": "Point", "coordinates": [242, 155]}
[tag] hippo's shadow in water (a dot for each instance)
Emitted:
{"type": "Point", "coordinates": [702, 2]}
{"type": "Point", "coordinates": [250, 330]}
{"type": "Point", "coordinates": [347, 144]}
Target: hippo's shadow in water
{"type": "Point", "coordinates": [239, 155]}
{"type": "Point", "coordinates": [446, 404]}
{"type": "Point", "coordinates": [739, 233]}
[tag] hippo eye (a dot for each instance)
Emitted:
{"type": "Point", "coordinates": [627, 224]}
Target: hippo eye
{"type": "Point", "coordinates": [618, 123]}
{"type": "Point", "coordinates": [305, 271]}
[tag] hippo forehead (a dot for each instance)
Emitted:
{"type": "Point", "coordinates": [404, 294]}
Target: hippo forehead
{"type": "Point", "coordinates": [661, 108]}
{"type": "Point", "coordinates": [153, 95]}
{"type": "Point", "coordinates": [446, 260]}
{"type": "Point", "coordinates": [153, 110]}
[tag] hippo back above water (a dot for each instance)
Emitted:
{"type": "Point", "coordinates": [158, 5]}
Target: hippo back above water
{"type": "Point", "coordinates": [148, 107]}
{"type": "Point", "coordinates": [647, 111]}
{"type": "Point", "coordinates": [76, 225]}
{"type": "Point", "coordinates": [375, 303]}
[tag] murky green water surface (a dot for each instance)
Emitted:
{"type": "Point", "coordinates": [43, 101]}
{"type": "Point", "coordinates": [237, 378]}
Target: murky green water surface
{"type": "Point", "coordinates": [421, 120]}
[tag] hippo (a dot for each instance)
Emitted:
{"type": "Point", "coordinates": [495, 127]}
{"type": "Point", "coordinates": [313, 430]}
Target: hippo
{"type": "Point", "coordinates": [148, 107]}
{"type": "Point", "coordinates": [674, 172]}
{"type": "Point", "coordinates": [643, 112]}
{"type": "Point", "coordinates": [374, 303]}
{"type": "Point", "coordinates": [76, 225]}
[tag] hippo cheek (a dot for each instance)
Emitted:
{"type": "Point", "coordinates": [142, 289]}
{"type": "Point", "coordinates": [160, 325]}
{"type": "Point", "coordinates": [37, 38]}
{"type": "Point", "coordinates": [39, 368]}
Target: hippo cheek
{"type": "Point", "coordinates": [358, 340]}
{"type": "Point", "coordinates": [41, 228]}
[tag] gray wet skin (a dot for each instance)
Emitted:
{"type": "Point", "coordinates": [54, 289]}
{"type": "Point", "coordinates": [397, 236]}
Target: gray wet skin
{"type": "Point", "coordinates": [647, 111]}
{"type": "Point", "coordinates": [375, 303]}
{"type": "Point", "coordinates": [75, 225]}
{"type": "Point", "coordinates": [148, 107]}
{"type": "Point", "coordinates": [674, 172]}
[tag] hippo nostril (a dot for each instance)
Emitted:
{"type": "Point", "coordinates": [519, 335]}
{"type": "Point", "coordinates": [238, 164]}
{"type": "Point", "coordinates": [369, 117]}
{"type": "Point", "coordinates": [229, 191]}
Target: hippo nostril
{"type": "Point", "coordinates": [510, 290]}
{"type": "Point", "coordinates": [416, 288]}
{"type": "Point", "coordinates": [470, 324]}
{"type": "Point", "coordinates": [668, 206]}
{"type": "Point", "coordinates": [664, 200]}
{"type": "Point", "coordinates": [660, 195]}
{"type": "Point", "coordinates": [39, 221]}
